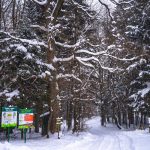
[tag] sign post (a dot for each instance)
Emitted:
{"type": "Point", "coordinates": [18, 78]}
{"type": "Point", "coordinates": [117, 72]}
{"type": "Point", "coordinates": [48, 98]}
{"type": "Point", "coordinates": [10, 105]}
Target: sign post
{"type": "Point", "coordinates": [25, 131]}
{"type": "Point", "coordinates": [58, 124]}
{"type": "Point", "coordinates": [149, 123]}
{"type": "Point", "coordinates": [25, 120]}
{"type": "Point", "coordinates": [8, 134]}
{"type": "Point", "coordinates": [9, 119]}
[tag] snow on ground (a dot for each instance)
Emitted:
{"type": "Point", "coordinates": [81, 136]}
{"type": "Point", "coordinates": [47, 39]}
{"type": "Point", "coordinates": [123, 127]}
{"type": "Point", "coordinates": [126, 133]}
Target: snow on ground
{"type": "Point", "coordinates": [96, 138]}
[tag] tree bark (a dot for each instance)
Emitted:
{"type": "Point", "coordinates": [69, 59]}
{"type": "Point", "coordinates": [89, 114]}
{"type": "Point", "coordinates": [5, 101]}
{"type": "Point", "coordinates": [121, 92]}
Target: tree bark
{"type": "Point", "coordinates": [14, 14]}
{"type": "Point", "coordinates": [69, 114]}
{"type": "Point", "coordinates": [0, 14]}
{"type": "Point", "coordinates": [53, 90]}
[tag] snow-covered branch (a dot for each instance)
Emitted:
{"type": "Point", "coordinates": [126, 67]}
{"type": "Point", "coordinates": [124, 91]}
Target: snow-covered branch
{"type": "Point", "coordinates": [50, 66]}
{"type": "Point", "coordinates": [4, 40]}
{"type": "Point", "coordinates": [64, 45]}
{"type": "Point", "coordinates": [107, 8]}
{"type": "Point", "coordinates": [111, 69]}
{"type": "Point", "coordinates": [31, 42]}
{"type": "Point", "coordinates": [87, 59]}
{"type": "Point", "coordinates": [91, 53]}
{"type": "Point", "coordinates": [10, 95]}
{"type": "Point", "coordinates": [63, 59]}
{"type": "Point", "coordinates": [84, 63]}
{"type": "Point", "coordinates": [92, 45]}
{"type": "Point", "coordinates": [83, 8]}
{"type": "Point", "coordinates": [104, 53]}
{"type": "Point", "coordinates": [121, 59]}
{"type": "Point", "coordinates": [41, 3]}
{"type": "Point", "coordinates": [60, 76]}
{"type": "Point", "coordinates": [39, 27]}
{"type": "Point", "coordinates": [114, 2]}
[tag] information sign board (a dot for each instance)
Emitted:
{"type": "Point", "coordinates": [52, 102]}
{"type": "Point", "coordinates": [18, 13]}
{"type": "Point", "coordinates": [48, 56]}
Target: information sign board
{"type": "Point", "coordinates": [26, 117]}
{"type": "Point", "coordinates": [9, 117]}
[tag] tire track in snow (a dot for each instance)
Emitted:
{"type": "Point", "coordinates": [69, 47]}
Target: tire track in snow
{"type": "Point", "coordinates": [86, 143]}
{"type": "Point", "coordinates": [117, 141]}
{"type": "Point", "coordinates": [107, 143]}
{"type": "Point", "coordinates": [114, 140]}
{"type": "Point", "coordinates": [101, 138]}
{"type": "Point", "coordinates": [125, 142]}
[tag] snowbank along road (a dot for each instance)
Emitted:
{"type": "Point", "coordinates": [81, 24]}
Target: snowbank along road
{"type": "Point", "coordinates": [96, 138]}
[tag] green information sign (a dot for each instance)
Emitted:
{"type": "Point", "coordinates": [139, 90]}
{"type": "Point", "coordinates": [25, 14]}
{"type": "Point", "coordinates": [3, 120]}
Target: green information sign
{"type": "Point", "coordinates": [26, 118]}
{"type": "Point", "coordinates": [9, 117]}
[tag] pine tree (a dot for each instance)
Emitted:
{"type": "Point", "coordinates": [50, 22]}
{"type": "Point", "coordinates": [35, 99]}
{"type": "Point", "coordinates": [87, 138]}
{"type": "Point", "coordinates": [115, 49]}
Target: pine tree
{"type": "Point", "coordinates": [131, 34]}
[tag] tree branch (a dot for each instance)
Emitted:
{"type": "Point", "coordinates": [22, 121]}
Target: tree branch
{"type": "Point", "coordinates": [107, 8]}
{"type": "Point", "coordinates": [41, 3]}
{"type": "Point", "coordinates": [56, 10]}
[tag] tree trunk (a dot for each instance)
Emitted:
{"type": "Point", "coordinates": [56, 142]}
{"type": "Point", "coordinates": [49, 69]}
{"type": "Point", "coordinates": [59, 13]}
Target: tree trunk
{"type": "Point", "coordinates": [52, 88]}
{"type": "Point", "coordinates": [53, 107]}
{"type": "Point", "coordinates": [117, 122]}
{"type": "Point", "coordinates": [75, 127]}
{"type": "Point", "coordinates": [69, 114]}
{"type": "Point", "coordinates": [14, 14]}
{"type": "Point", "coordinates": [0, 14]}
{"type": "Point", "coordinates": [103, 116]}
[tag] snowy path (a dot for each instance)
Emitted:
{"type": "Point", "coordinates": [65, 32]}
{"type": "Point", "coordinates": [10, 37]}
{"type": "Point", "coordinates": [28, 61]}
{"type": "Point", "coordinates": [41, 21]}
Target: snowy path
{"type": "Point", "coordinates": [96, 138]}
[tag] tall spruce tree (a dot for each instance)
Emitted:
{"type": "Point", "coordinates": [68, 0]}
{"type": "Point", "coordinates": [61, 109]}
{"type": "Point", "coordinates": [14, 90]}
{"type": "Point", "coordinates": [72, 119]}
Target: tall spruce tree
{"type": "Point", "coordinates": [131, 34]}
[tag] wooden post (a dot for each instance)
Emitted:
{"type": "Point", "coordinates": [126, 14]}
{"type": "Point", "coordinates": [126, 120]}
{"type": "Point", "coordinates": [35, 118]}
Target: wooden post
{"type": "Point", "coordinates": [58, 124]}
{"type": "Point", "coordinates": [8, 134]}
{"type": "Point", "coordinates": [149, 124]}
{"type": "Point", "coordinates": [25, 131]}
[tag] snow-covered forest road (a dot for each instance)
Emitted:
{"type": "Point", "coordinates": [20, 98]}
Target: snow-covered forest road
{"type": "Point", "coordinates": [96, 138]}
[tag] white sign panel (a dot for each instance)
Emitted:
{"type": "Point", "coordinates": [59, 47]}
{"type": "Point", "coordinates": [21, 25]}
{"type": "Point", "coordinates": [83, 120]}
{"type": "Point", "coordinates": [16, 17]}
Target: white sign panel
{"type": "Point", "coordinates": [25, 117]}
{"type": "Point", "coordinates": [9, 117]}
